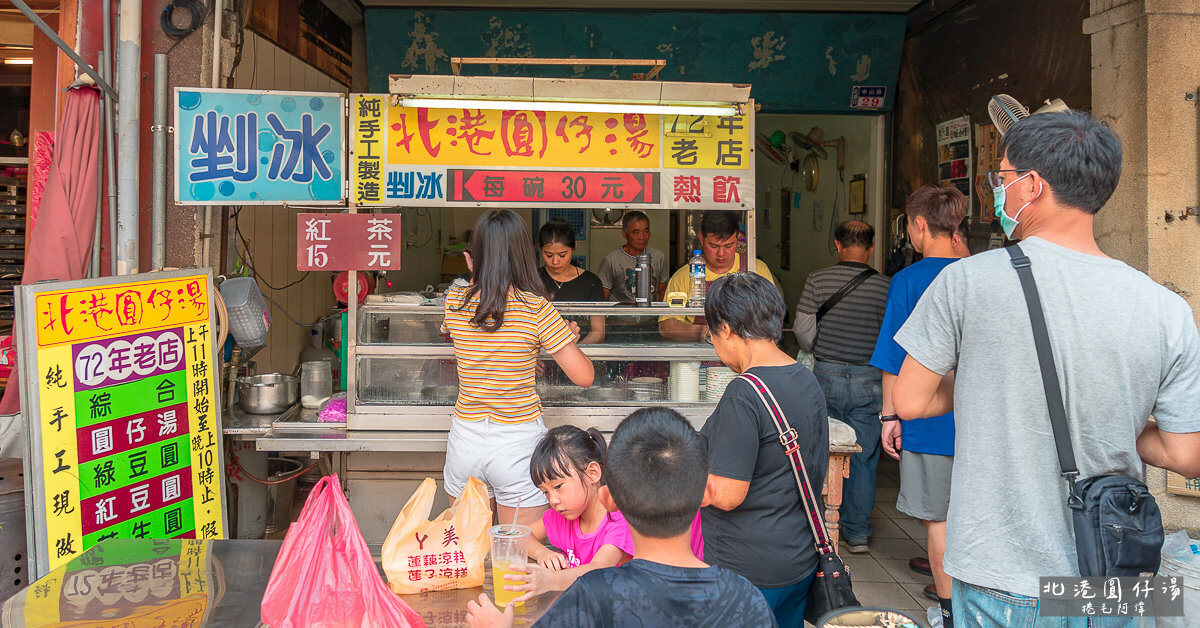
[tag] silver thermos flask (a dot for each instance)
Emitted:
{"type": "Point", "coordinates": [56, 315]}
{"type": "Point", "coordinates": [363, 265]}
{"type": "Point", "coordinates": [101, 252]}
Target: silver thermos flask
{"type": "Point", "coordinates": [644, 293]}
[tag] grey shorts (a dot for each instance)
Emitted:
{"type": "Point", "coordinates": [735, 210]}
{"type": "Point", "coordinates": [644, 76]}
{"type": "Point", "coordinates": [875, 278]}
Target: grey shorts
{"type": "Point", "coordinates": [924, 485]}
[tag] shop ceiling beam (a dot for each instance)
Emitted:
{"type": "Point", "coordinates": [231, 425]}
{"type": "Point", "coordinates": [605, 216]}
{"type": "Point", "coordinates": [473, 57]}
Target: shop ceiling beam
{"type": "Point", "coordinates": [62, 45]}
{"type": "Point", "coordinates": [656, 65]}
{"type": "Point", "coordinates": [597, 91]}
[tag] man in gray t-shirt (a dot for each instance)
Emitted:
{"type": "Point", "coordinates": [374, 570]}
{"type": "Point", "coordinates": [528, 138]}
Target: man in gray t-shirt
{"type": "Point", "coordinates": [1125, 348]}
{"type": "Point", "coordinates": [617, 268]}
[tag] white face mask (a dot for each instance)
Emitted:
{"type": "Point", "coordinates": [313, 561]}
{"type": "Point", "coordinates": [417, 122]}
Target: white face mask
{"type": "Point", "coordinates": [1009, 225]}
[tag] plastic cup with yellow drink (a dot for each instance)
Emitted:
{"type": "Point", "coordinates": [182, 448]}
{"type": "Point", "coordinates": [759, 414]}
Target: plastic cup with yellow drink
{"type": "Point", "coordinates": [510, 546]}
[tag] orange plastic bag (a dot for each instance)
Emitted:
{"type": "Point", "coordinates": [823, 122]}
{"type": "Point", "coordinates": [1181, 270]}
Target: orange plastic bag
{"type": "Point", "coordinates": [324, 575]}
{"type": "Point", "coordinates": [445, 553]}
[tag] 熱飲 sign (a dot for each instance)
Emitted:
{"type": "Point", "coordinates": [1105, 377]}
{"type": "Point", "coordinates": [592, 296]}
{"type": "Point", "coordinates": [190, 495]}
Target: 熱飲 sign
{"type": "Point", "coordinates": [339, 242]}
{"type": "Point", "coordinates": [258, 147]}
{"type": "Point", "coordinates": [421, 157]}
{"type": "Point", "coordinates": [120, 403]}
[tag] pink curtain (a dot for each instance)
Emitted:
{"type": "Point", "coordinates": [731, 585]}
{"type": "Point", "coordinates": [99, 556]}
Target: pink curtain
{"type": "Point", "coordinates": [60, 244]}
{"type": "Point", "coordinates": [60, 241]}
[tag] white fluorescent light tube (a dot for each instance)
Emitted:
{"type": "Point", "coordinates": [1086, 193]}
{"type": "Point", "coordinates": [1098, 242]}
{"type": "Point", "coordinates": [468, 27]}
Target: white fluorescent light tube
{"type": "Point", "coordinates": [580, 107]}
{"type": "Point", "coordinates": [18, 61]}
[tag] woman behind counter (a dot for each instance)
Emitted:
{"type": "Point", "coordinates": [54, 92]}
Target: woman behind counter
{"type": "Point", "coordinates": [563, 280]}
{"type": "Point", "coordinates": [499, 323]}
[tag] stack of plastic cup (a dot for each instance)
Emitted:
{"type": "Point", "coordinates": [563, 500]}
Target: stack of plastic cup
{"type": "Point", "coordinates": [684, 384]}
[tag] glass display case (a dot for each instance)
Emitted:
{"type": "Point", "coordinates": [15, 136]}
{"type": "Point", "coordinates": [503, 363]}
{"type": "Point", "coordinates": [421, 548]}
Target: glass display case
{"type": "Point", "coordinates": [403, 374]}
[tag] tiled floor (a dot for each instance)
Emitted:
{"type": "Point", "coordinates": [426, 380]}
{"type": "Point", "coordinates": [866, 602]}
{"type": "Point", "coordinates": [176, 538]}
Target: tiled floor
{"type": "Point", "coordinates": [882, 577]}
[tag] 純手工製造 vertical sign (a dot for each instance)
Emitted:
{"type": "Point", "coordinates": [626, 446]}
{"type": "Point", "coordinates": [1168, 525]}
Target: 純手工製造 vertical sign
{"type": "Point", "coordinates": [121, 407]}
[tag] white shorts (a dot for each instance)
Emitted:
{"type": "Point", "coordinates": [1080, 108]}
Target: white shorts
{"type": "Point", "coordinates": [498, 454]}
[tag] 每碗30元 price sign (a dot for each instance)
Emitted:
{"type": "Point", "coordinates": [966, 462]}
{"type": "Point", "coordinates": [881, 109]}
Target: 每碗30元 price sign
{"type": "Point", "coordinates": [120, 399]}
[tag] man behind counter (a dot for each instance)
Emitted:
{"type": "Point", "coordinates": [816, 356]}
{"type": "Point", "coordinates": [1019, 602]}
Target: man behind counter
{"type": "Point", "coordinates": [618, 269]}
{"type": "Point", "coordinates": [719, 232]}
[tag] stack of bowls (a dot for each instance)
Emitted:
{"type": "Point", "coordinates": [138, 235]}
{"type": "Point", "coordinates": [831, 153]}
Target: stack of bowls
{"type": "Point", "coordinates": [718, 378]}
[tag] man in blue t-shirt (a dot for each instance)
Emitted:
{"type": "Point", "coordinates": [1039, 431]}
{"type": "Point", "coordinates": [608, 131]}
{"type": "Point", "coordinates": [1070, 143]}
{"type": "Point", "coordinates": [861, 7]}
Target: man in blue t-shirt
{"type": "Point", "coordinates": [935, 215]}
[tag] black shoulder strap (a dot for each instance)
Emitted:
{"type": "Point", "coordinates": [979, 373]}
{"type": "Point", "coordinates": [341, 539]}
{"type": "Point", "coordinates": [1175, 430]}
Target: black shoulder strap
{"type": "Point", "coordinates": [1041, 341]}
{"type": "Point", "coordinates": [843, 291]}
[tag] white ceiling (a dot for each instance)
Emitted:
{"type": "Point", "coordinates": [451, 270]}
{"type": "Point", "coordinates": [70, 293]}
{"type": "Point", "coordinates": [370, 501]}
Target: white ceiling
{"type": "Point", "coordinates": [857, 6]}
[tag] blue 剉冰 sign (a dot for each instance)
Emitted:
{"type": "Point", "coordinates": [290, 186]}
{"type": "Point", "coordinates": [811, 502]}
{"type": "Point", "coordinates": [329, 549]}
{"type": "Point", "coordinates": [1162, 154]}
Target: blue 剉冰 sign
{"type": "Point", "coordinates": [258, 147]}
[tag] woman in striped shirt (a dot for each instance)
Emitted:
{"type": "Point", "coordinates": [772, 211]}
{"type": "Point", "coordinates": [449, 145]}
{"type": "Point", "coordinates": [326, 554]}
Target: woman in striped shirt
{"type": "Point", "coordinates": [499, 323]}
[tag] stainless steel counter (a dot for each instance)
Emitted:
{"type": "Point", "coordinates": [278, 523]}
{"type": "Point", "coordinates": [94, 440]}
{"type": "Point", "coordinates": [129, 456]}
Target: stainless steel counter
{"type": "Point", "coordinates": [246, 426]}
{"type": "Point", "coordinates": [286, 438]}
{"type": "Point", "coordinates": [425, 428]}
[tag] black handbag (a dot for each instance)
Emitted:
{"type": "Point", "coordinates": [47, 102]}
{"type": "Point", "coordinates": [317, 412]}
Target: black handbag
{"type": "Point", "coordinates": [1118, 527]}
{"type": "Point", "coordinates": [831, 588]}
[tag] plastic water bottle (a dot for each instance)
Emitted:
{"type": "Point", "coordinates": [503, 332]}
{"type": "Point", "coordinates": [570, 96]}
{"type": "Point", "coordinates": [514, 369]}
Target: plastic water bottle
{"type": "Point", "coordinates": [697, 288]}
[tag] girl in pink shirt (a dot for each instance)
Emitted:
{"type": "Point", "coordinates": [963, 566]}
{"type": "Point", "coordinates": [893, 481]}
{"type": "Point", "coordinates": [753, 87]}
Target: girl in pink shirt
{"type": "Point", "coordinates": [568, 466]}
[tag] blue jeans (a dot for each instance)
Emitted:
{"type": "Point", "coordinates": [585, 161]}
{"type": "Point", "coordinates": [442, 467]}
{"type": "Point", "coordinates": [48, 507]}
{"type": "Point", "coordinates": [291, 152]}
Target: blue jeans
{"type": "Point", "coordinates": [788, 603]}
{"type": "Point", "coordinates": [854, 395]}
{"type": "Point", "coordinates": [981, 607]}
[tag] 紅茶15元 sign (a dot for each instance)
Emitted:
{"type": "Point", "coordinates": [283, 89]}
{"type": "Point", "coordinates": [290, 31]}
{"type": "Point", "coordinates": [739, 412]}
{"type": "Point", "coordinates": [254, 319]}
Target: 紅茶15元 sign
{"type": "Point", "coordinates": [335, 242]}
{"type": "Point", "coordinates": [258, 147]}
{"type": "Point", "coordinates": [119, 395]}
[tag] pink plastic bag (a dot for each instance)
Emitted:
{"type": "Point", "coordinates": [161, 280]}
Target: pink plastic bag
{"type": "Point", "coordinates": [324, 575]}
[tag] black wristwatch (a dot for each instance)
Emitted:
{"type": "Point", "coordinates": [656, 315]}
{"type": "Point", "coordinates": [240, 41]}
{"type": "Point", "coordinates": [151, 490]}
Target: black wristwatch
{"type": "Point", "coordinates": [884, 418]}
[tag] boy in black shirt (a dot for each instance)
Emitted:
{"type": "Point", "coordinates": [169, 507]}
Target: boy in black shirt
{"type": "Point", "coordinates": [656, 473]}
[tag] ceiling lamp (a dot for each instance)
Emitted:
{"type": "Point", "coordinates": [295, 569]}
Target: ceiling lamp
{"type": "Point", "coordinates": [580, 107]}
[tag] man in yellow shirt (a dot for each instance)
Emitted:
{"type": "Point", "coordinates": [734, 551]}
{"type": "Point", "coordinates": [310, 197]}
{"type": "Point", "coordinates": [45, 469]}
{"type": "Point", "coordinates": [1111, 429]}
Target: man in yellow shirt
{"type": "Point", "coordinates": [719, 232]}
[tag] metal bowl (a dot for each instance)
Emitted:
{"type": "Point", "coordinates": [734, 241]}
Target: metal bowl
{"type": "Point", "coordinates": [270, 393]}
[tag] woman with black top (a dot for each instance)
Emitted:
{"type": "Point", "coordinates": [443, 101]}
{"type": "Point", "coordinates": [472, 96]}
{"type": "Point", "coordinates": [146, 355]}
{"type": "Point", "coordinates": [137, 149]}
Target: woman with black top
{"type": "Point", "coordinates": [565, 281]}
{"type": "Point", "coordinates": [756, 525]}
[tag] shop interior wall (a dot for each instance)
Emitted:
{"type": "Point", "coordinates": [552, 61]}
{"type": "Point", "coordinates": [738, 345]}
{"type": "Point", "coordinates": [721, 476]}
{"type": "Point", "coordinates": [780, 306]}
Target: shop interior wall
{"type": "Point", "coordinates": [428, 230]}
{"type": "Point", "coordinates": [956, 58]}
{"type": "Point", "coordinates": [270, 230]}
{"type": "Point", "coordinates": [14, 116]}
{"type": "Point", "coordinates": [598, 243]}
{"type": "Point", "coordinates": [811, 245]}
